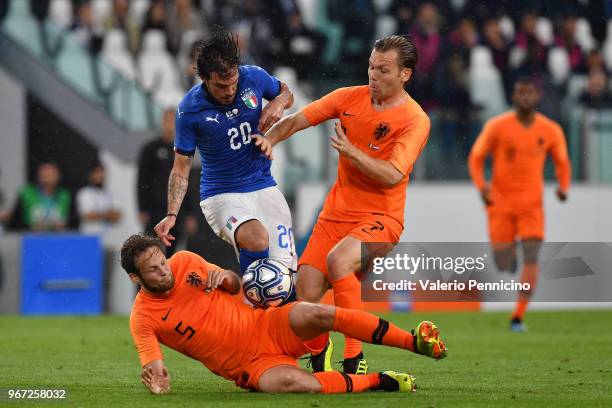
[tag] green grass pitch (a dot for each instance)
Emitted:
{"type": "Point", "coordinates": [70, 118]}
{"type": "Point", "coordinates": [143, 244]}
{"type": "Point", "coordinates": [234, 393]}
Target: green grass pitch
{"type": "Point", "coordinates": [564, 360]}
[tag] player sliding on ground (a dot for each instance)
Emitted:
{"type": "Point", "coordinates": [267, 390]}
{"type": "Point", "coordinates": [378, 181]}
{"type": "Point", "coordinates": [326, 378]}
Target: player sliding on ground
{"type": "Point", "coordinates": [519, 142]}
{"type": "Point", "coordinates": [379, 136]}
{"type": "Point", "coordinates": [189, 305]}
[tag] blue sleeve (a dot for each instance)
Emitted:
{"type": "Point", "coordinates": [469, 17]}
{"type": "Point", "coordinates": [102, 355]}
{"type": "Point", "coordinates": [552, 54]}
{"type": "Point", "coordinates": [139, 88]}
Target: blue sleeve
{"type": "Point", "coordinates": [185, 135]}
{"type": "Point", "coordinates": [269, 85]}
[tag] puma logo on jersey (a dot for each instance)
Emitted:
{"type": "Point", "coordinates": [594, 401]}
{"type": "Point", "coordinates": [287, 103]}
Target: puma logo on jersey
{"type": "Point", "coordinates": [215, 119]}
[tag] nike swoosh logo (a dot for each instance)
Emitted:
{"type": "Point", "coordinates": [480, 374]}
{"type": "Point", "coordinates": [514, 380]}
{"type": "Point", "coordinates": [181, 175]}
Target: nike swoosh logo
{"type": "Point", "coordinates": [166, 316]}
{"type": "Point", "coordinates": [345, 113]}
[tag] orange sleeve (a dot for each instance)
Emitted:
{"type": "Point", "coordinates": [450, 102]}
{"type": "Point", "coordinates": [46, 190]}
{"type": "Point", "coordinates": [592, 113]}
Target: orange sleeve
{"type": "Point", "coordinates": [410, 144]}
{"type": "Point", "coordinates": [145, 340]}
{"type": "Point", "coordinates": [327, 107]}
{"type": "Point", "coordinates": [481, 149]}
{"type": "Point", "coordinates": [558, 151]}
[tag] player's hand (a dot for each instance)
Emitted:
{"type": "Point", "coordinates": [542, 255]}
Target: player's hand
{"type": "Point", "coordinates": [485, 195]}
{"type": "Point", "coordinates": [157, 383]}
{"type": "Point", "coordinates": [561, 195]}
{"type": "Point", "coordinates": [216, 278]}
{"type": "Point", "coordinates": [341, 143]}
{"type": "Point", "coordinates": [162, 230]}
{"type": "Point", "coordinates": [270, 114]}
{"type": "Point", "coordinates": [265, 146]}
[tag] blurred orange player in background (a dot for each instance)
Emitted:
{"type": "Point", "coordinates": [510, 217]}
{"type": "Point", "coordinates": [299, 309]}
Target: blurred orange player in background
{"type": "Point", "coordinates": [379, 137]}
{"type": "Point", "coordinates": [519, 142]}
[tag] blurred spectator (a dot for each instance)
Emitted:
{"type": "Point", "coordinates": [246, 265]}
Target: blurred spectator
{"type": "Point", "coordinates": [95, 205]}
{"type": "Point", "coordinates": [456, 107]}
{"type": "Point", "coordinates": [597, 95]}
{"type": "Point", "coordinates": [493, 39]}
{"type": "Point", "coordinates": [189, 77]}
{"type": "Point", "coordinates": [358, 18]}
{"type": "Point", "coordinates": [463, 38]}
{"type": "Point", "coordinates": [301, 45]}
{"type": "Point", "coordinates": [43, 206]}
{"type": "Point", "coordinates": [595, 61]}
{"type": "Point", "coordinates": [527, 40]}
{"type": "Point", "coordinates": [120, 19]}
{"type": "Point", "coordinates": [182, 16]}
{"type": "Point", "coordinates": [566, 38]}
{"type": "Point", "coordinates": [405, 12]}
{"type": "Point", "coordinates": [427, 38]}
{"type": "Point", "coordinates": [155, 18]}
{"type": "Point", "coordinates": [598, 13]}
{"type": "Point", "coordinates": [83, 27]}
{"type": "Point", "coordinates": [154, 166]}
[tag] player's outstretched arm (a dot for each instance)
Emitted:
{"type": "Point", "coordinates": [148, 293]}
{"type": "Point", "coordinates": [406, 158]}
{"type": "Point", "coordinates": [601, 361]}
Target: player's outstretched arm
{"type": "Point", "coordinates": [275, 108]}
{"type": "Point", "coordinates": [286, 127]}
{"type": "Point", "coordinates": [155, 377]}
{"type": "Point", "coordinates": [177, 187]}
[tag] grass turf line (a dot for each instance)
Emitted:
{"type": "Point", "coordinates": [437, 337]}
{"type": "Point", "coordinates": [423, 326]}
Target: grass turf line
{"type": "Point", "coordinates": [565, 359]}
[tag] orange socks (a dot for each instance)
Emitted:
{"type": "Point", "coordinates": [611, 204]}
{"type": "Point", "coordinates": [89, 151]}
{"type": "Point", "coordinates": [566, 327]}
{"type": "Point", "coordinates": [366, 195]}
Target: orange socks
{"type": "Point", "coordinates": [347, 295]}
{"type": "Point", "coordinates": [372, 329]}
{"type": "Point", "coordinates": [335, 382]}
{"type": "Point", "coordinates": [529, 275]}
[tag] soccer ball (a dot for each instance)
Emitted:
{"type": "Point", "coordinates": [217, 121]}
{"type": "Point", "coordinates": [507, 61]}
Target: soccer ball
{"type": "Point", "coordinates": [267, 283]}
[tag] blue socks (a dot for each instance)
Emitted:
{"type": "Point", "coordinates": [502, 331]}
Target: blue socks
{"type": "Point", "coordinates": [248, 257]}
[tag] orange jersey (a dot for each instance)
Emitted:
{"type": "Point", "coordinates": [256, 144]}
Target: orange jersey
{"type": "Point", "coordinates": [397, 135]}
{"type": "Point", "coordinates": [519, 155]}
{"type": "Point", "coordinates": [213, 328]}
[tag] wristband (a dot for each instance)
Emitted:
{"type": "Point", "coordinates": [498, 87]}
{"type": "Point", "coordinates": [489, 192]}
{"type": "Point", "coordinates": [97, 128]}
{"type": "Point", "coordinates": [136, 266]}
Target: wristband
{"type": "Point", "coordinates": [171, 215]}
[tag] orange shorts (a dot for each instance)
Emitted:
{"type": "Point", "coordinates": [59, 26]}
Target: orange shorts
{"type": "Point", "coordinates": [327, 233]}
{"type": "Point", "coordinates": [506, 225]}
{"type": "Point", "coordinates": [277, 345]}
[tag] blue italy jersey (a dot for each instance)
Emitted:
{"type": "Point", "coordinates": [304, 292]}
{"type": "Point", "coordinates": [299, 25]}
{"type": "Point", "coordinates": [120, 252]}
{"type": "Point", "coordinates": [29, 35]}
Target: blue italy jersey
{"type": "Point", "coordinates": [231, 163]}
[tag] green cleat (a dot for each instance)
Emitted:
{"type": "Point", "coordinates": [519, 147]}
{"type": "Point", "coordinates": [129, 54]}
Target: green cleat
{"type": "Point", "coordinates": [322, 361]}
{"type": "Point", "coordinates": [392, 381]}
{"type": "Point", "coordinates": [427, 341]}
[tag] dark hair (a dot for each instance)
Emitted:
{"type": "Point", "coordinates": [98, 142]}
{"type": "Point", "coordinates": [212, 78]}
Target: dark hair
{"type": "Point", "coordinates": [133, 247]}
{"type": "Point", "coordinates": [528, 80]}
{"type": "Point", "coordinates": [218, 54]}
{"type": "Point", "coordinates": [407, 55]}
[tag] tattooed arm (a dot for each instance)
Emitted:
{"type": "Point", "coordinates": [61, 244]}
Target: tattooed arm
{"type": "Point", "coordinates": [177, 187]}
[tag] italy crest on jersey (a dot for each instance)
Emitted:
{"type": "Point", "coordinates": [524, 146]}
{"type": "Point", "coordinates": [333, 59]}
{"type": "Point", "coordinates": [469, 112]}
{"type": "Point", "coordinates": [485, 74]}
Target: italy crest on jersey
{"type": "Point", "coordinates": [249, 98]}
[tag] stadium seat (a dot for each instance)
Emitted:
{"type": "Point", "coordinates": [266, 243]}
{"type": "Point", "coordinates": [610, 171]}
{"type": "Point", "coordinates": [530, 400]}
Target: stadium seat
{"type": "Point", "coordinates": [74, 66]}
{"type": "Point", "coordinates": [22, 27]}
{"type": "Point", "coordinates": [115, 52]}
{"type": "Point", "coordinates": [333, 31]}
{"type": "Point", "coordinates": [60, 12]}
{"type": "Point", "coordinates": [583, 35]}
{"type": "Point", "coordinates": [187, 40]}
{"type": "Point", "coordinates": [558, 64]}
{"type": "Point", "coordinates": [544, 31]}
{"type": "Point", "coordinates": [382, 6]}
{"type": "Point", "coordinates": [385, 25]}
{"type": "Point", "coordinates": [506, 25]}
{"type": "Point", "coordinates": [157, 68]}
{"type": "Point", "coordinates": [607, 47]}
{"type": "Point", "coordinates": [517, 56]}
{"type": "Point", "coordinates": [486, 87]}
{"type": "Point", "coordinates": [100, 10]}
{"type": "Point", "coordinates": [138, 10]}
